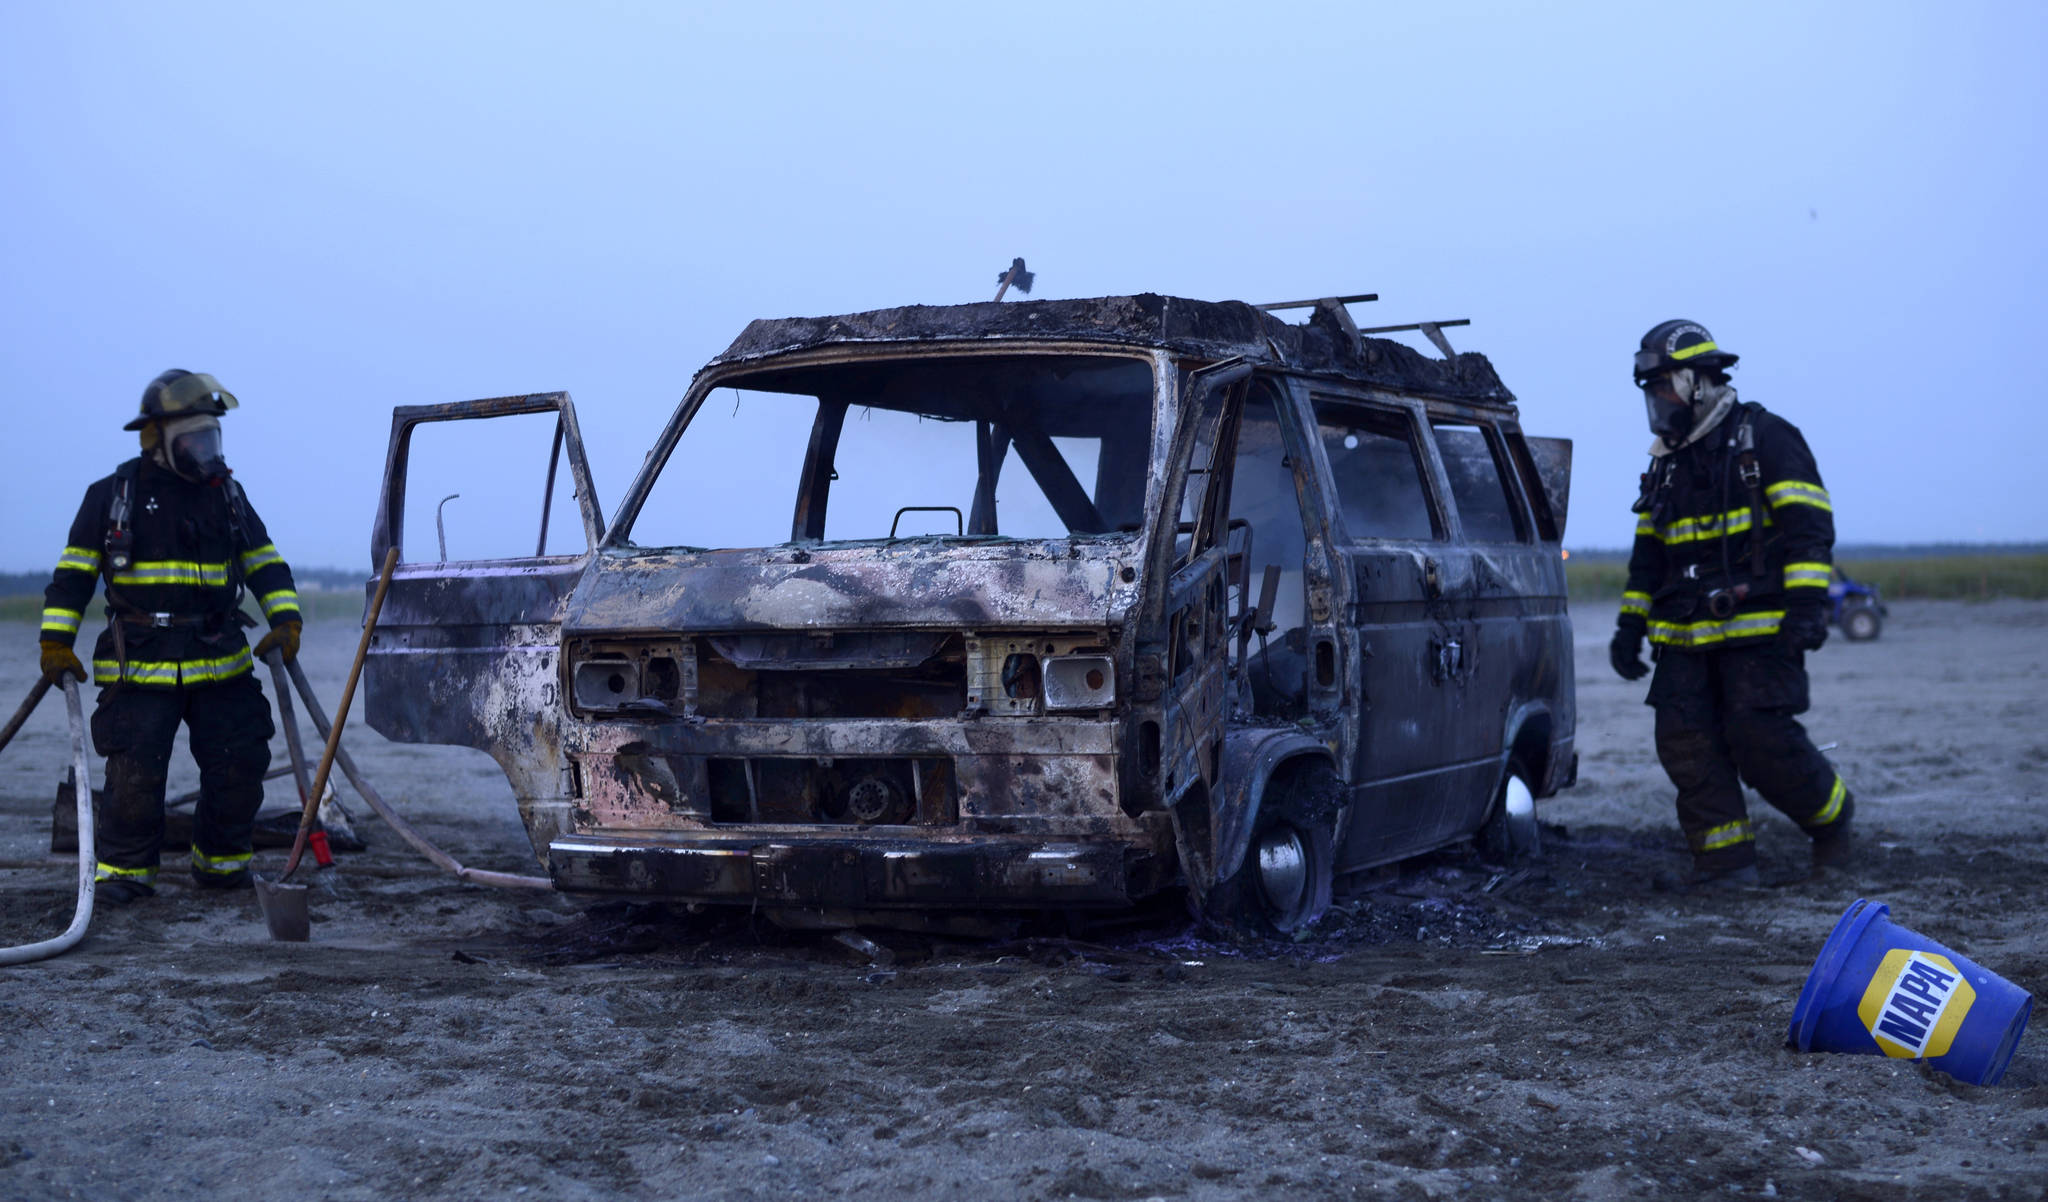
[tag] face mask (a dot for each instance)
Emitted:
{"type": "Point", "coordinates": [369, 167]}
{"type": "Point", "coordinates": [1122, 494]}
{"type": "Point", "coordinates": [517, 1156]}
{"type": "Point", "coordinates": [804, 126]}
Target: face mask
{"type": "Point", "coordinates": [192, 446]}
{"type": "Point", "coordinates": [1668, 400]}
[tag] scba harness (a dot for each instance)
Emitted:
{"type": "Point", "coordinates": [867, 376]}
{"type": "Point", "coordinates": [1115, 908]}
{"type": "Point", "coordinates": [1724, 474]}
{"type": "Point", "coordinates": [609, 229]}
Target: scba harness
{"type": "Point", "coordinates": [1654, 500]}
{"type": "Point", "coordinates": [120, 556]}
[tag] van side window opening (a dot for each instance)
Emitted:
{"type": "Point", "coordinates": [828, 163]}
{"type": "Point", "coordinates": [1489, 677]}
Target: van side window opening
{"type": "Point", "coordinates": [1262, 494]}
{"type": "Point", "coordinates": [1064, 441]}
{"type": "Point", "coordinates": [1377, 469]}
{"type": "Point", "coordinates": [1474, 471]}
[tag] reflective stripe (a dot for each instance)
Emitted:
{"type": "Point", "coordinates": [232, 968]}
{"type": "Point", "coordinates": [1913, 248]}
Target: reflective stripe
{"type": "Point", "coordinates": [1833, 809]}
{"type": "Point", "coordinates": [1706, 526]}
{"type": "Point", "coordinates": [1704, 634]}
{"type": "Point", "coordinates": [1645, 528]}
{"type": "Point", "coordinates": [79, 559]}
{"type": "Point", "coordinates": [220, 865]}
{"type": "Point", "coordinates": [170, 672]}
{"type": "Point", "coordinates": [1797, 492]}
{"type": "Point", "coordinates": [103, 871]}
{"type": "Point", "coordinates": [173, 571]}
{"type": "Point", "coordinates": [1807, 575]}
{"type": "Point", "coordinates": [66, 620]}
{"type": "Point", "coordinates": [259, 557]}
{"type": "Point", "coordinates": [283, 598]}
{"type": "Point", "coordinates": [1728, 834]}
{"type": "Point", "coordinates": [1697, 348]}
{"type": "Point", "coordinates": [1635, 603]}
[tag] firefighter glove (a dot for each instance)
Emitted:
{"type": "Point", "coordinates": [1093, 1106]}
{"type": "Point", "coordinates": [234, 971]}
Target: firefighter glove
{"type": "Point", "coordinates": [1626, 653]}
{"type": "Point", "coordinates": [1804, 628]}
{"type": "Point", "coordinates": [284, 637]}
{"type": "Point", "coordinates": [59, 659]}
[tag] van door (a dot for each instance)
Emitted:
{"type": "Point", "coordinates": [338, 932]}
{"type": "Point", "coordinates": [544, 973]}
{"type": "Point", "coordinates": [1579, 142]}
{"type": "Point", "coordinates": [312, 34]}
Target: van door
{"type": "Point", "coordinates": [1182, 658]}
{"type": "Point", "coordinates": [467, 648]}
{"type": "Point", "coordinates": [1391, 537]}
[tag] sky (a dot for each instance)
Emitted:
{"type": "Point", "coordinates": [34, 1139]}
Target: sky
{"type": "Point", "coordinates": [338, 209]}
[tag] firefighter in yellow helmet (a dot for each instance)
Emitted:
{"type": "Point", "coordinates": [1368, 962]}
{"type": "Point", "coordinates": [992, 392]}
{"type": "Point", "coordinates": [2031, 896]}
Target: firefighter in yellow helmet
{"type": "Point", "coordinates": [1728, 580]}
{"type": "Point", "coordinates": [178, 545]}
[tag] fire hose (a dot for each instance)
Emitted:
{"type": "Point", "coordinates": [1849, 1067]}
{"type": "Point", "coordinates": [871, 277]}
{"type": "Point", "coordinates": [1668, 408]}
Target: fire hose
{"type": "Point", "coordinates": [87, 854]}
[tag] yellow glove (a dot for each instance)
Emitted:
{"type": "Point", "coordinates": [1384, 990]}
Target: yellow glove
{"type": "Point", "coordinates": [59, 659]}
{"type": "Point", "coordinates": [283, 637]}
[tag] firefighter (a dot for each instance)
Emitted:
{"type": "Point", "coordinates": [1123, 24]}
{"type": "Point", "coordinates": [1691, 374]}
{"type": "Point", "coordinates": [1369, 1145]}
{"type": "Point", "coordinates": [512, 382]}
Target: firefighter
{"type": "Point", "coordinates": [178, 544]}
{"type": "Point", "coordinates": [1728, 580]}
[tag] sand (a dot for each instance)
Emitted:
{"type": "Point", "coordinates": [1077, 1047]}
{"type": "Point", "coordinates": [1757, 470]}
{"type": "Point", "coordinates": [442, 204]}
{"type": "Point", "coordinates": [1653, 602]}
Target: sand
{"type": "Point", "coordinates": [1458, 1031]}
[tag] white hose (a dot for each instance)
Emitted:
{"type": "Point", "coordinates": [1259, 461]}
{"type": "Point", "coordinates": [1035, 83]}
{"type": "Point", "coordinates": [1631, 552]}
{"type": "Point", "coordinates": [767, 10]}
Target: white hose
{"type": "Point", "coordinates": [87, 853]}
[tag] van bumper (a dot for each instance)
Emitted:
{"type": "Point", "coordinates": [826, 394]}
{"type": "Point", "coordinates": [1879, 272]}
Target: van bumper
{"type": "Point", "coordinates": [838, 872]}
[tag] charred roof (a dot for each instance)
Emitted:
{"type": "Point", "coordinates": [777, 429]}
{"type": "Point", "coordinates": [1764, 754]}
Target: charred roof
{"type": "Point", "coordinates": [1210, 329]}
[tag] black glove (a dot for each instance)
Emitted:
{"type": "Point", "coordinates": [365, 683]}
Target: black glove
{"type": "Point", "coordinates": [1626, 652]}
{"type": "Point", "coordinates": [1805, 627]}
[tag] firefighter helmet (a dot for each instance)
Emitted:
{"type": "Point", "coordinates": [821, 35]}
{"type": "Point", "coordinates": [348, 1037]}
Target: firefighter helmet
{"type": "Point", "coordinates": [181, 393]}
{"type": "Point", "coordinates": [1679, 343]}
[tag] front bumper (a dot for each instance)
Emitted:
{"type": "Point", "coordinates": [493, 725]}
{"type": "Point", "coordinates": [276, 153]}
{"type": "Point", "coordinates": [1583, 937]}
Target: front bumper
{"type": "Point", "coordinates": [849, 873]}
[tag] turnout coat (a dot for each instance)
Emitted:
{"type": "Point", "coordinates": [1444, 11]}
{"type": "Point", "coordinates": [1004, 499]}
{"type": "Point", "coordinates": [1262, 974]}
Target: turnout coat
{"type": "Point", "coordinates": [1731, 532]}
{"type": "Point", "coordinates": [173, 605]}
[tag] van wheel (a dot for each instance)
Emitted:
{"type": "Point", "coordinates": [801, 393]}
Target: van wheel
{"type": "Point", "coordinates": [1510, 835]}
{"type": "Point", "coordinates": [1862, 624]}
{"type": "Point", "coordinates": [1282, 886]}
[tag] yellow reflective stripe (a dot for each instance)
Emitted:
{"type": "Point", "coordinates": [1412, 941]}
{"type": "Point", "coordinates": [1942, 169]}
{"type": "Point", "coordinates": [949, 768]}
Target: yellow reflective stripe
{"type": "Point", "coordinates": [1706, 526]}
{"type": "Point", "coordinates": [1797, 492]}
{"type": "Point", "coordinates": [283, 598]}
{"type": "Point", "coordinates": [66, 620]}
{"type": "Point", "coordinates": [262, 556]}
{"type": "Point", "coordinates": [79, 559]}
{"type": "Point", "coordinates": [220, 865]}
{"type": "Point", "coordinates": [1703, 634]}
{"type": "Point", "coordinates": [103, 871]}
{"type": "Point", "coordinates": [1645, 528]}
{"type": "Point", "coordinates": [1807, 575]}
{"type": "Point", "coordinates": [170, 672]}
{"type": "Point", "coordinates": [1833, 809]}
{"type": "Point", "coordinates": [1635, 603]}
{"type": "Point", "coordinates": [1728, 834]}
{"type": "Point", "coordinates": [1699, 348]}
{"type": "Point", "coordinates": [173, 571]}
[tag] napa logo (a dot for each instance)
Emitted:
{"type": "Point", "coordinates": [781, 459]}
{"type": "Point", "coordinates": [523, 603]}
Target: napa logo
{"type": "Point", "coordinates": [1915, 1003]}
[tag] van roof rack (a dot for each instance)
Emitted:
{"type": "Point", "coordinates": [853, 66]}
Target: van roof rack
{"type": "Point", "coordinates": [1334, 306]}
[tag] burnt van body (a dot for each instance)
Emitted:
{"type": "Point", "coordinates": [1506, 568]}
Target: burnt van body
{"type": "Point", "coordinates": [1053, 604]}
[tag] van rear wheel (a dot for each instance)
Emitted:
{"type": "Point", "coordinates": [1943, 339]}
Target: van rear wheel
{"type": "Point", "coordinates": [1511, 835]}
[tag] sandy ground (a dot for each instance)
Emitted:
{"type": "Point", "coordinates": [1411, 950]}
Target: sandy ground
{"type": "Point", "coordinates": [1460, 1032]}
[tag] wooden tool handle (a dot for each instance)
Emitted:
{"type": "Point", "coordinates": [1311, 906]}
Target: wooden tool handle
{"type": "Point", "coordinates": [348, 695]}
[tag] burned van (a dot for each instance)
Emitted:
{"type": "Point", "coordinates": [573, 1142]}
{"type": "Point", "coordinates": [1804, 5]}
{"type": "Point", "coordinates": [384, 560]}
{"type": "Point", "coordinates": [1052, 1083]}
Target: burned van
{"type": "Point", "coordinates": [929, 612]}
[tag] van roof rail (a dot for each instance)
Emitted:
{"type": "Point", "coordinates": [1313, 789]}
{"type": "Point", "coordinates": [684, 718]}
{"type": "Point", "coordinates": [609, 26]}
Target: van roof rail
{"type": "Point", "coordinates": [1361, 298]}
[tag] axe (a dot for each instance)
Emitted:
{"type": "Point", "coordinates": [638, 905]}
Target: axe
{"type": "Point", "coordinates": [1015, 275]}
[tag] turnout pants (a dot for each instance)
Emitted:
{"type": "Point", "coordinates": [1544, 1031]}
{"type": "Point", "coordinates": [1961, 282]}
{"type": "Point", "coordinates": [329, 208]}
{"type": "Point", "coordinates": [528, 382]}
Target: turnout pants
{"type": "Point", "coordinates": [133, 727]}
{"type": "Point", "coordinates": [1727, 716]}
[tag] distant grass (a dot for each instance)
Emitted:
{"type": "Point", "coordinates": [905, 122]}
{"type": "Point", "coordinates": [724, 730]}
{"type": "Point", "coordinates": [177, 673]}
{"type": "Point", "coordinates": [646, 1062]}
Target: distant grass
{"type": "Point", "coordinates": [29, 608]}
{"type": "Point", "coordinates": [1941, 578]}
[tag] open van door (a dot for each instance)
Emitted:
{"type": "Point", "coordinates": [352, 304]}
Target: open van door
{"type": "Point", "coordinates": [466, 651]}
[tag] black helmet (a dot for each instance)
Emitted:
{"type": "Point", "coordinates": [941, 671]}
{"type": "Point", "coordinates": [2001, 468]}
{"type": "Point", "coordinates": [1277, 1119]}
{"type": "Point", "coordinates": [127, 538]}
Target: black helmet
{"type": "Point", "coordinates": [181, 393]}
{"type": "Point", "coordinates": [1679, 343]}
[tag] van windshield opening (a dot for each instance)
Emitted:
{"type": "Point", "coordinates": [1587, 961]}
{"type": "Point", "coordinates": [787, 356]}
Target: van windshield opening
{"type": "Point", "coordinates": [995, 446]}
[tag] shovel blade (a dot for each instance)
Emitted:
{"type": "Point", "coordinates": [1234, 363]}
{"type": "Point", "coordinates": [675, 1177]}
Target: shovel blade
{"type": "Point", "coordinates": [284, 910]}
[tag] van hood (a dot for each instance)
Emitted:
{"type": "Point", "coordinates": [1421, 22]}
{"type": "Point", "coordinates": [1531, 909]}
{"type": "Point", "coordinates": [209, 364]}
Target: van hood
{"type": "Point", "coordinates": [928, 584]}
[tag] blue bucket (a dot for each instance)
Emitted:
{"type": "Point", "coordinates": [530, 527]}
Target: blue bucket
{"type": "Point", "coordinates": [1879, 989]}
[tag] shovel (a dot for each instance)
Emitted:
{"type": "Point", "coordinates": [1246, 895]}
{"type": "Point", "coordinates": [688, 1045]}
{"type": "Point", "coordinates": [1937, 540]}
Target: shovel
{"type": "Point", "coordinates": [284, 904]}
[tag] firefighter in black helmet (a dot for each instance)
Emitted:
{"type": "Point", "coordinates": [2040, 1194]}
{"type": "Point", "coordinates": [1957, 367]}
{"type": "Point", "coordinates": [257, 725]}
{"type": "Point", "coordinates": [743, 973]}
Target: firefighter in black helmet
{"type": "Point", "coordinates": [178, 544]}
{"type": "Point", "coordinates": [1728, 582]}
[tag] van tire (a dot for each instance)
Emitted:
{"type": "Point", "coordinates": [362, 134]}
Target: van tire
{"type": "Point", "coordinates": [1511, 834]}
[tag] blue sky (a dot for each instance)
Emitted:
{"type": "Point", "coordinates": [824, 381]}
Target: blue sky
{"type": "Point", "coordinates": [340, 209]}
